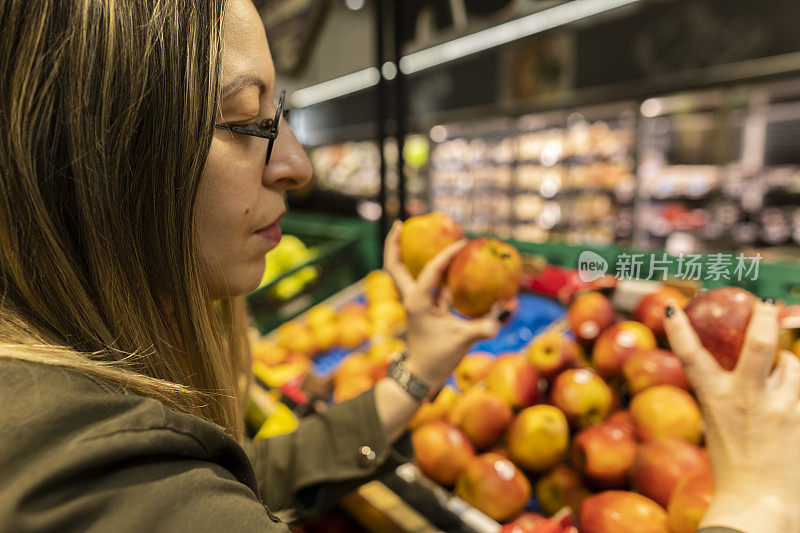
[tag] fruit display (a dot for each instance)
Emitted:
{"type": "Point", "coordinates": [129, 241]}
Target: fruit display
{"type": "Point", "coordinates": [663, 463]}
{"type": "Point", "coordinates": [611, 437]}
{"type": "Point", "coordinates": [666, 411]}
{"type": "Point", "coordinates": [689, 501]}
{"type": "Point", "coordinates": [444, 451]}
{"type": "Point", "coordinates": [616, 511]}
{"type": "Point", "coordinates": [617, 343]}
{"type": "Point", "coordinates": [290, 253]}
{"type": "Point", "coordinates": [592, 416]}
{"type": "Point", "coordinates": [494, 485]}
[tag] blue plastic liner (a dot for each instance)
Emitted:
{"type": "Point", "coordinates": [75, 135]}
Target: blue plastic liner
{"type": "Point", "coordinates": [533, 315]}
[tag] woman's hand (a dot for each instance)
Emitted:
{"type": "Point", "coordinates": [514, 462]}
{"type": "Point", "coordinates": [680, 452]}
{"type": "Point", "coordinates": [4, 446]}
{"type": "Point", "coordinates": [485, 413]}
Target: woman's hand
{"type": "Point", "coordinates": [752, 419]}
{"type": "Point", "coordinates": [437, 339]}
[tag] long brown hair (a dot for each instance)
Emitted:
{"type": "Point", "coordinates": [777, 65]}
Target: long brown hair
{"type": "Point", "coordinates": [106, 117]}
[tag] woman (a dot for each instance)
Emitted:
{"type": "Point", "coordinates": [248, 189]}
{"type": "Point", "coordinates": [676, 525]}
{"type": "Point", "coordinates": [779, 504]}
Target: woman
{"type": "Point", "coordinates": [125, 214]}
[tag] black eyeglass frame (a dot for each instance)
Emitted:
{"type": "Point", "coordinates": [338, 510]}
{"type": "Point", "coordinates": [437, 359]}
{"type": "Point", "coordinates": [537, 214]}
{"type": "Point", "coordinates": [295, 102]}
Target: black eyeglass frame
{"type": "Point", "coordinates": [267, 129]}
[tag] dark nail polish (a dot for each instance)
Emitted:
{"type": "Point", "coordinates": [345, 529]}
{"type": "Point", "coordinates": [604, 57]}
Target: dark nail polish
{"type": "Point", "coordinates": [503, 316]}
{"type": "Point", "coordinates": [767, 300]}
{"type": "Point", "coordinates": [669, 311]}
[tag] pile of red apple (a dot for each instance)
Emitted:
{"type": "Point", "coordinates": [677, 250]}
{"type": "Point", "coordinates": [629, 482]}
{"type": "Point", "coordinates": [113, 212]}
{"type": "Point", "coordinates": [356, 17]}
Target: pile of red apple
{"type": "Point", "coordinates": [599, 419]}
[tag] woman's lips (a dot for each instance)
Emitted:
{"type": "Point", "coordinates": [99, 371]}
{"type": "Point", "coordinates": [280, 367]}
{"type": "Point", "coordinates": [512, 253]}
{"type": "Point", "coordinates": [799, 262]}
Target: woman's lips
{"type": "Point", "coordinates": [271, 233]}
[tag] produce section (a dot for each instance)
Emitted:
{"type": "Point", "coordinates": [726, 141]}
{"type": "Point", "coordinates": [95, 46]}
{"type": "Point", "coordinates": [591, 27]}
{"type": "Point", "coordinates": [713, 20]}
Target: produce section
{"type": "Point", "coordinates": [576, 414]}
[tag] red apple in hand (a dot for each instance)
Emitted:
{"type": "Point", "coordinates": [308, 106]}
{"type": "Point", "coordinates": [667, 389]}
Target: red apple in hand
{"type": "Point", "coordinates": [441, 451]}
{"type": "Point", "coordinates": [424, 236]}
{"type": "Point", "coordinates": [689, 502]}
{"type": "Point", "coordinates": [720, 318]}
{"type": "Point", "coordinates": [495, 486]}
{"type": "Point", "coordinates": [654, 367]}
{"type": "Point", "coordinates": [661, 464]}
{"type": "Point", "coordinates": [651, 308]}
{"type": "Point", "coordinates": [617, 343]}
{"type": "Point", "coordinates": [604, 455]}
{"type": "Point", "coordinates": [512, 378]}
{"type": "Point", "coordinates": [552, 352]}
{"type": "Point", "coordinates": [481, 415]}
{"type": "Point", "coordinates": [666, 411]}
{"type": "Point", "coordinates": [583, 396]}
{"type": "Point", "coordinates": [483, 272]}
{"type": "Point", "coordinates": [621, 512]}
{"type": "Point", "coordinates": [588, 315]}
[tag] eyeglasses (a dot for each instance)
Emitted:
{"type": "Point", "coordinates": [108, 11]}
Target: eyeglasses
{"type": "Point", "coordinates": [266, 129]}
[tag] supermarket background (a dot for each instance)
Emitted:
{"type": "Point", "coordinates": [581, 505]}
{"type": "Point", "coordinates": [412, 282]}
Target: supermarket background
{"type": "Point", "coordinates": [606, 125]}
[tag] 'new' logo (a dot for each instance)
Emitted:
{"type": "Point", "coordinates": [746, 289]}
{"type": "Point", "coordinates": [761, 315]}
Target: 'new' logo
{"type": "Point", "coordinates": [591, 266]}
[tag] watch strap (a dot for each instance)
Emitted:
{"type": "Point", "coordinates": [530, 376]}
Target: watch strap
{"type": "Point", "coordinates": [415, 387]}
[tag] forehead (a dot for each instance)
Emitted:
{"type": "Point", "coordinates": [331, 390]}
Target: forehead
{"type": "Point", "coordinates": [245, 51]}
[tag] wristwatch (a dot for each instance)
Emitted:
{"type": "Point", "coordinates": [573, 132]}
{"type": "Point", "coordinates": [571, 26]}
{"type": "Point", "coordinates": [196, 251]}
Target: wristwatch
{"type": "Point", "coordinates": [415, 387]}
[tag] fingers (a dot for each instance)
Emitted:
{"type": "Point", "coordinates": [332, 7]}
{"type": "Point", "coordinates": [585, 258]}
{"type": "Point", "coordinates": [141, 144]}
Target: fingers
{"type": "Point", "coordinates": [487, 326]}
{"type": "Point", "coordinates": [432, 272]}
{"type": "Point", "coordinates": [392, 261]}
{"type": "Point", "coordinates": [760, 345]}
{"type": "Point", "coordinates": [783, 385]}
{"type": "Point", "coordinates": [699, 365]}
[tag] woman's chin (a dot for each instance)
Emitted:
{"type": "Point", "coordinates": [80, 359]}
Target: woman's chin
{"type": "Point", "coordinates": [241, 284]}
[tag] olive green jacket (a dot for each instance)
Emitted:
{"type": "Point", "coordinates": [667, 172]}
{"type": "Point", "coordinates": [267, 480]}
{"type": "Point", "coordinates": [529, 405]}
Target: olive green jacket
{"type": "Point", "coordinates": [77, 454]}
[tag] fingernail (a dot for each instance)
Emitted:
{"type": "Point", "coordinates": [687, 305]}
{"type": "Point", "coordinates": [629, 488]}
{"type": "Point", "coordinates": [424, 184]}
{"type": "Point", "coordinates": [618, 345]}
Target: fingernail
{"type": "Point", "coordinates": [503, 316]}
{"type": "Point", "coordinates": [767, 300]}
{"type": "Point", "coordinates": [669, 311]}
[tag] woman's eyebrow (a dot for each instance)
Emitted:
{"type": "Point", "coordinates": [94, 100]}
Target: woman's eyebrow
{"type": "Point", "coordinates": [241, 82]}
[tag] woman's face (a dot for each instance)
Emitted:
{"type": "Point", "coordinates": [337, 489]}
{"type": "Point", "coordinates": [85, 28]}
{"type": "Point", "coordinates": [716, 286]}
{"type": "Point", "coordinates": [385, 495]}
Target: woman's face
{"type": "Point", "coordinates": [241, 200]}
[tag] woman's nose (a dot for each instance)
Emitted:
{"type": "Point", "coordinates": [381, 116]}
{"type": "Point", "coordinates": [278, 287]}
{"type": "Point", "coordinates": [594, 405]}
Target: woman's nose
{"type": "Point", "coordinates": [289, 167]}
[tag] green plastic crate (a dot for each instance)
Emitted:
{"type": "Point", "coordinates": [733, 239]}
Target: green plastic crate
{"type": "Point", "coordinates": [779, 280]}
{"type": "Point", "coordinates": [346, 252]}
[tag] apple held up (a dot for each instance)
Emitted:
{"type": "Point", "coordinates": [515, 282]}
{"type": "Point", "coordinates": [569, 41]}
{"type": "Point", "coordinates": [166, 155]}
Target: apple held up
{"type": "Point", "coordinates": [424, 236]}
{"type": "Point", "coordinates": [494, 485]}
{"type": "Point", "coordinates": [441, 451]}
{"type": "Point", "coordinates": [483, 272]}
{"type": "Point", "coordinates": [616, 511]}
{"type": "Point", "coordinates": [720, 318]}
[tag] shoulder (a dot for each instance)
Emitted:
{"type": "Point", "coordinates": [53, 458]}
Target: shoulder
{"type": "Point", "coordinates": [68, 406]}
{"type": "Point", "coordinates": [64, 432]}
